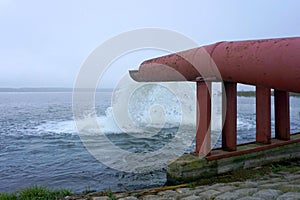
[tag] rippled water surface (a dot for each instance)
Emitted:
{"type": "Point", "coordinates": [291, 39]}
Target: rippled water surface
{"type": "Point", "coordinates": [39, 143]}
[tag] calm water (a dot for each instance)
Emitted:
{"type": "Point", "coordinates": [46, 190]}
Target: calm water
{"type": "Point", "coordinates": [39, 143]}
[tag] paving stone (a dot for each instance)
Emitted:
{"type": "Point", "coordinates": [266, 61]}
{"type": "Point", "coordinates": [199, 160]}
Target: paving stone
{"type": "Point", "coordinates": [262, 182]}
{"type": "Point", "coordinates": [198, 190]}
{"type": "Point", "coordinates": [272, 180]}
{"type": "Point", "coordinates": [101, 198]}
{"type": "Point", "coordinates": [246, 191]}
{"type": "Point", "coordinates": [289, 196]}
{"type": "Point", "coordinates": [201, 187]}
{"type": "Point", "coordinates": [267, 194]}
{"type": "Point", "coordinates": [209, 194]}
{"type": "Point", "coordinates": [170, 193]}
{"type": "Point", "coordinates": [277, 185]}
{"type": "Point", "coordinates": [189, 192]}
{"type": "Point", "coordinates": [293, 177]}
{"type": "Point", "coordinates": [237, 184]}
{"type": "Point", "coordinates": [248, 184]}
{"type": "Point", "coordinates": [237, 194]}
{"type": "Point", "coordinates": [273, 175]}
{"type": "Point", "coordinates": [128, 198]}
{"type": "Point", "coordinates": [250, 198]}
{"type": "Point", "coordinates": [290, 188]}
{"type": "Point", "coordinates": [297, 182]}
{"type": "Point", "coordinates": [150, 197]}
{"type": "Point", "coordinates": [227, 196]}
{"type": "Point", "coordinates": [193, 197]}
{"type": "Point", "coordinates": [182, 190]}
{"type": "Point", "coordinates": [280, 186]}
{"type": "Point", "coordinates": [284, 173]}
{"type": "Point", "coordinates": [153, 197]}
{"type": "Point", "coordinates": [226, 188]}
{"type": "Point", "coordinates": [120, 195]}
{"type": "Point", "coordinates": [214, 186]}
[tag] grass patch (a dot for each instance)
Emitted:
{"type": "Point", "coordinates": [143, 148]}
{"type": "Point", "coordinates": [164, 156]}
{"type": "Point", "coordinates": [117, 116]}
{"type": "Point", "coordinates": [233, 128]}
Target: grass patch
{"type": "Point", "coordinates": [235, 176]}
{"type": "Point", "coordinates": [110, 194]}
{"type": "Point", "coordinates": [5, 196]}
{"type": "Point", "coordinates": [293, 169]}
{"type": "Point", "coordinates": [191, 186]}
{"type": "Point", "coordinates": [88, 190]}
{"type": "Point", "coordinates": [36, 193]}
{"type": "Point", "coordinates": [285, 166]}
{"type": "Point", "coordinates": [241, 175]}
{"type": "Point", "coordinates": [277, 168]}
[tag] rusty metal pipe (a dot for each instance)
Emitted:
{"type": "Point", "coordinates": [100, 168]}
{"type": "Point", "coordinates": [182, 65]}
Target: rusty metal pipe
{"type": "Point", "coordinates": [270, 63]}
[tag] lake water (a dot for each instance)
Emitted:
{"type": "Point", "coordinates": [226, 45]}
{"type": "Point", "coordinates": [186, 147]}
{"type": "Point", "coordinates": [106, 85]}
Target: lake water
{"type": "Point", "coordinates": [39, 143]}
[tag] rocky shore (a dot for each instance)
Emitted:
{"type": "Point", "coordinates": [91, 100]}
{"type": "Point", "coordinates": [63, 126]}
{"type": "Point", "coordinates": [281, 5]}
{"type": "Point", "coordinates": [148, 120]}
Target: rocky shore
{"type": "Point", "coordinates": [276, 181]}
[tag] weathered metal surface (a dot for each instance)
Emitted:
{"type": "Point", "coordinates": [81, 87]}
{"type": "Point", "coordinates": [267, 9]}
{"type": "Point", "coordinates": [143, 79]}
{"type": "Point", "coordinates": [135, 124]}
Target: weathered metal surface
{"type": "Point", "coordinates": [203, 132]}
{"type": "Point", "coordinates": [282, 115]}
{"type": "Point", "coordinates": [229, 129]}
{"type": "Point", "coordinates": [269, 63]}
{"type": "Point", "coordinates": [273, 63]}
{"type": "Point", "coordinates": [263, 115]}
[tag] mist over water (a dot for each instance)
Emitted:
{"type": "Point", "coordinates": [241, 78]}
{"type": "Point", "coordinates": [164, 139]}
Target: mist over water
{"type": "Point", "coordinates": [39, 142]}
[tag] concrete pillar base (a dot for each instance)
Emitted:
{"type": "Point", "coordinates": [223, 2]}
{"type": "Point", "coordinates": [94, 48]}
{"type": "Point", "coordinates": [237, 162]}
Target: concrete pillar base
{"type": "Point", "coordinates": [190, 168]}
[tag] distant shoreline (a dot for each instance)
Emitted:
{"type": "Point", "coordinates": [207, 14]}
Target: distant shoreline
{"type": "Point", "coordinates": [252, 94]}
{"type": "Point", "coordinates": [53, 90]}
{"type": "Point", "coordinates": [239, 93]}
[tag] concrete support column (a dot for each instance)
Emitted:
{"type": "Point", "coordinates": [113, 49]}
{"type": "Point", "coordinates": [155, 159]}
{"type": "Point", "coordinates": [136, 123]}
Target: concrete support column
{"type": "Point", "coordinates": [230, 114]}
{"type": "Point", "coordinates": [203, 133]}
{"type": "Point", "coordinates": [282, 115]}
{"type": "Point", "coordinates": [263, 115]}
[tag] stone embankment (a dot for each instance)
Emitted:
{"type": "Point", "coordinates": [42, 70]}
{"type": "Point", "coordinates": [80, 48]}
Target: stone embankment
{"type": "Point", "coordinates": [281, 183]}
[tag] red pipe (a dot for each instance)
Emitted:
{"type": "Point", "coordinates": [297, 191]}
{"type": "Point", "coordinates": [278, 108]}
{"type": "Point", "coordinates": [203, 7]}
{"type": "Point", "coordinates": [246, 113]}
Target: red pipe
{"type": "Point", "coordinates": [271, 63]}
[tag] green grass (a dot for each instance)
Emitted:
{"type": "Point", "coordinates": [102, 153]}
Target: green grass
{"type": "Point", "coordinates": [5, 196]}
{"type": "Point", "coordinates": [277, 168]}
{"type": "Point", "coordinates": [252, 94]}
{"type": "Point", "coordinates": [36, 193]}
{"type": "Point", "coordinates": [283, 166]}
{"type": "Point", "coordinates": [294, 94]}
{"type": "Point", "coordinates": [246, 93]}
{"type": "Point", "coordinates": [110, 194]}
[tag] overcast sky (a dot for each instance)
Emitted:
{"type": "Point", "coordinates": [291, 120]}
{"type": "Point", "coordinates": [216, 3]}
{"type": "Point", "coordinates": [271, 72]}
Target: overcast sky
{"type": "Point", "coordinates": [44, 43]}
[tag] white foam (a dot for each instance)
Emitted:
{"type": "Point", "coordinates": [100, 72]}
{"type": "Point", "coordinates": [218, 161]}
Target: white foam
{"type": "Point", "coordinates": [63, 127]}
{"type": "Point", "coordinates": [149, 108]}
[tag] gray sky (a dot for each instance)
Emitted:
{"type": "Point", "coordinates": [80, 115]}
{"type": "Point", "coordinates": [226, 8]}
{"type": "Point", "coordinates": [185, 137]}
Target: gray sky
{"type": "Point", "coordinates": [44, 43]}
